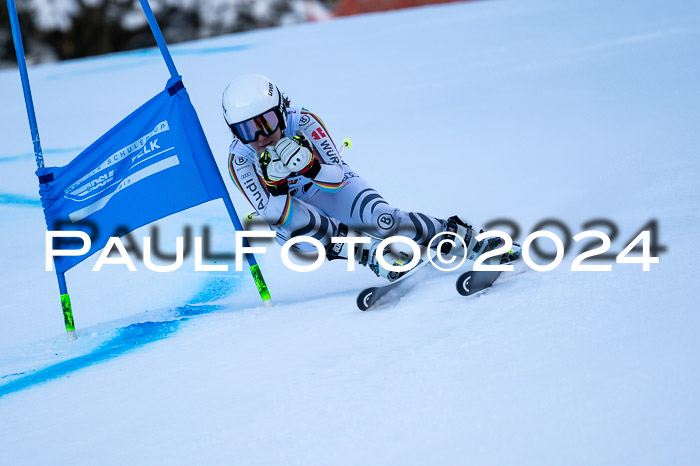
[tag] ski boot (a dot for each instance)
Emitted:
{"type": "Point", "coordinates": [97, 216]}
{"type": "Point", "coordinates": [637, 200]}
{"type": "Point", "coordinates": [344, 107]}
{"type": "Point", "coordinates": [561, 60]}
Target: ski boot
{"type": "Point", "coordinates": [366, 254]}
{"type": "Point", "coordinates": [474, 248]}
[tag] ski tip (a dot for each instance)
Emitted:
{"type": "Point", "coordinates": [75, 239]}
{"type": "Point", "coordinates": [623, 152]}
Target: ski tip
{"type": "Point", "coordinates": [474, 281]}
{"type": "Point", "coordinates": [463, 284]}
{"type": "Point", "coordinates": [364, 299]}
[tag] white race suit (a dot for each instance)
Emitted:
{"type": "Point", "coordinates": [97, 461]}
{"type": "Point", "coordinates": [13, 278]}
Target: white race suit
{"type": "Point", "coordinates": [315, 207]}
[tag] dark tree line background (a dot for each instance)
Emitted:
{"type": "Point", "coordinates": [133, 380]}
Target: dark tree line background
{"type": "Point", "coordinates": [63, 29]}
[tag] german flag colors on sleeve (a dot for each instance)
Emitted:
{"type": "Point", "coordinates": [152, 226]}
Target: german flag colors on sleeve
{"type": "Point", "coordinates": [328, 187]}
{"type": "Point", "coordinates": [232, 172]}
{"type": "Point", "coordinates": [286, 216]}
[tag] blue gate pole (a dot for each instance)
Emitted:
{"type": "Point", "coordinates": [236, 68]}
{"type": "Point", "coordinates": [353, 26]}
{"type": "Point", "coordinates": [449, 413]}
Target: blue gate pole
{"type": "Point", "coordinates": [252, 263]}
{"type": "Point", "coordinates": [38, 154]}
{"type": "Point", "coordinates": [155, 29]}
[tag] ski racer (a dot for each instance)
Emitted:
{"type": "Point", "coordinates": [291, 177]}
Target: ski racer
{"type": "Point", "coordinates": [285, 162]}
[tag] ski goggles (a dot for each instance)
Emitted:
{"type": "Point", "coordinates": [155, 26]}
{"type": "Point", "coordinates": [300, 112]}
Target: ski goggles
{"type": "Point", "coordinates": [265, 124]}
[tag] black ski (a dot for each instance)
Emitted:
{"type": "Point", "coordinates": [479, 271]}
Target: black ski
{"type": "Point", "coordinates": [474, 281]}
{"type": "Point", "coordinates": [369, 296]}
{"type": "Point", "coordinates": [467, 284]}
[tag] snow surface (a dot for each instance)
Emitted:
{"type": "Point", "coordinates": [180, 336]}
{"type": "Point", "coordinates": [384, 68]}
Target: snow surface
{"type": "Point", "coordinates": [525, 110]}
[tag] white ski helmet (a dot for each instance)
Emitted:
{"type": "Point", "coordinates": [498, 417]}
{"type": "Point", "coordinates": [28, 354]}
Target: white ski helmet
{"type": "Point", "coordinates": [249, 96]}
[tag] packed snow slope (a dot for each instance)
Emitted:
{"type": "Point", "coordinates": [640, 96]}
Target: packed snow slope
{"type": "Point", "coordinates": [524, 110]}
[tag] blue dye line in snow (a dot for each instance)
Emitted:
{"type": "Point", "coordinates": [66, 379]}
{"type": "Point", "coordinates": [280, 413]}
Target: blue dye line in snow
{"type": "Point", "coordinates": [216, 288]}
{"type": "Point", "coordinates": [30, 155]}
{"type": "Point", "coordinates": [154, 52]}
{"type": "Point", "coordinates": [14, 199]}
{"type": "Point", "coordinates": [129, 338]}
{"type": "Point", "coordinates": [211, 50]}
{"type": "Point", "coordinates": [144, 53]}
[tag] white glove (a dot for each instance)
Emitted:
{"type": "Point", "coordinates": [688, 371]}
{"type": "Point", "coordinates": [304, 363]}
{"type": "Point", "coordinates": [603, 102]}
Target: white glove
{"type": "Point", "coordinates": [270, 166]}
{"type": "Point", "coordinates": [294, 156]}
